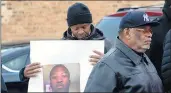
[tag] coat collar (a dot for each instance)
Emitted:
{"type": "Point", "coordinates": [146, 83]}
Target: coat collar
{"type": "Point", "coordinates": [129, 52]}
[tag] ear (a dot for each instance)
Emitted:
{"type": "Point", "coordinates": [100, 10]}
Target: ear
{"type": "Point", "coordinates": [127, 33]}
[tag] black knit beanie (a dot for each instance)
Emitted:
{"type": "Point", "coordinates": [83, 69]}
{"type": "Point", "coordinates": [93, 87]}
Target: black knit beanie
{"type": "Point", "coordinates": [78, 13]}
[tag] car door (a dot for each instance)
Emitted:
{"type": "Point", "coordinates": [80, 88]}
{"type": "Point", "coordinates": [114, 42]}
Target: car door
{"type": "Point", "coordinates": [12, 63]}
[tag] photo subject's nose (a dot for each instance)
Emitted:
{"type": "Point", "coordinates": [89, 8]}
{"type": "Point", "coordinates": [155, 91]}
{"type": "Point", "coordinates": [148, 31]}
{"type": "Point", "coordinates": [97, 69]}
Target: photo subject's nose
{"type": "Point", "coordinates": [59, 80]}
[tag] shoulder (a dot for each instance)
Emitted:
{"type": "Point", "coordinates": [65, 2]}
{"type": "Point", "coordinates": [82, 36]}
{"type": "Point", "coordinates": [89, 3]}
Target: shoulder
{"type": "Point", "coordinates": [168, 33]}
{"type": "Point", "coordinates": [108, 44]}
{"type": "Point", "coordinates": [110, 59]}
{"type": "Point", "coordinates": [168, 37]}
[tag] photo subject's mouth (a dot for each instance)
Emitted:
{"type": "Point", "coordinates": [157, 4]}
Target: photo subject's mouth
{"type": "Point", "coordinates": [59, 86]}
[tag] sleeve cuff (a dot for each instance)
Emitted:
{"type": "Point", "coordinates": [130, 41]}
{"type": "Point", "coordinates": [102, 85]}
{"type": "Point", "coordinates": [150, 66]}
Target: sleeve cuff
{"type": "Point", "coordinates": [21, 75]}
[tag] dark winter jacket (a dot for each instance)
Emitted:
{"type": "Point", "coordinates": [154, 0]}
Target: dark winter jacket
{"type": "Point", "coordinates": [166, 62]}
{"type": "Point", "coordinates": [155, 52]}
{"type": "Point", "coordinates": [122, 70]}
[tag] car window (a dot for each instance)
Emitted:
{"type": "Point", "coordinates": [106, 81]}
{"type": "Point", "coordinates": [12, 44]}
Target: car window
{"type": "Point", "coordinates": [109, 27]}
{"type": "Point", "coordinates": [4, 50]}
{"type": "Point", "coordinates": [10, 49]}
{"type": "Point", "coordinates": [15, 64]}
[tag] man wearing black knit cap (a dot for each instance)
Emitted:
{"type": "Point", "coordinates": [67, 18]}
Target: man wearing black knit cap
{"type": "Point", "coordinates": [79, 21]}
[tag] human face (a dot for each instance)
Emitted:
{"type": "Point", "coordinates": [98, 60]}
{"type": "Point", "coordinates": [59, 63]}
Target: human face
{"type": "Point", "coordinates": [140, 38]}
{"type": "Point", "coordinates": [81, 31]}
{"type": "Point", "coordinates": [59, 80]}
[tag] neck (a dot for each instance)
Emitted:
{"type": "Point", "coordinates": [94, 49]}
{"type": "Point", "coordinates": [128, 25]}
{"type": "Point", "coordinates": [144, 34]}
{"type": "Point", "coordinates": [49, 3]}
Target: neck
{"type": "Point", "coordinates": [138, 53]}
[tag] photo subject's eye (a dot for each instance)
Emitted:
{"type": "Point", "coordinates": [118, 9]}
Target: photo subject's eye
{"type": "Point", "coordinates": [64, 75]}
{"type": "Point", "coordinates": [54, 77]}
{"type": "Point", "coordinates": [84, 27]}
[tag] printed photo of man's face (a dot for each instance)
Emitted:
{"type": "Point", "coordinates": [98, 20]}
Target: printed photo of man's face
{"type": "Point", "coordinates": [59, 79]}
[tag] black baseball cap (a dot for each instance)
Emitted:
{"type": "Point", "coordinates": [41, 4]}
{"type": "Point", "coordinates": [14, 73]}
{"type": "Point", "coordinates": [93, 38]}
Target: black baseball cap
{"type": "Point", "coordinates": [136, 19]}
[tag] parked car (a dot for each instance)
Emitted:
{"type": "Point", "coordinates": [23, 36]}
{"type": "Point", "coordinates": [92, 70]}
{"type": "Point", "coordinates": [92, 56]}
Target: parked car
{"type": "Point", "coordinates": [14, 58]}
{"type": "Point", "coordinates": [109, 24]}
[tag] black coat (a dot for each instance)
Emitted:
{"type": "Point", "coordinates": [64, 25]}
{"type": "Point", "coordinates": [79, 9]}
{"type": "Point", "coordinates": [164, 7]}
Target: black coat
{"type": "Point", "coordinates": [155, 52]}
{"type": "Point", "coordinates": [166, 62]}
{"type": "Point", "coordinates": [122, 70]}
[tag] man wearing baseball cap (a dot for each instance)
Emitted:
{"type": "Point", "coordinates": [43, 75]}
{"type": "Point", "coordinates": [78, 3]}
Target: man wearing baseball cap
{"type": "Point", "coordinates": [126, 67]}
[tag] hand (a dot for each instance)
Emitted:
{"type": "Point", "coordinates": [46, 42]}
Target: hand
{"type": "Point", "coordinates": [31, 70]}
{"type": "Point", "coordinates": [95, 58]}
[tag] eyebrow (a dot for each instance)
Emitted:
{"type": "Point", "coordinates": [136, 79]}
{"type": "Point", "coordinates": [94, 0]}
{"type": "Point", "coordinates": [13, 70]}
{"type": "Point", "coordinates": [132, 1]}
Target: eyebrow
{"type": "Point", "coordinates": [62, 73]}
